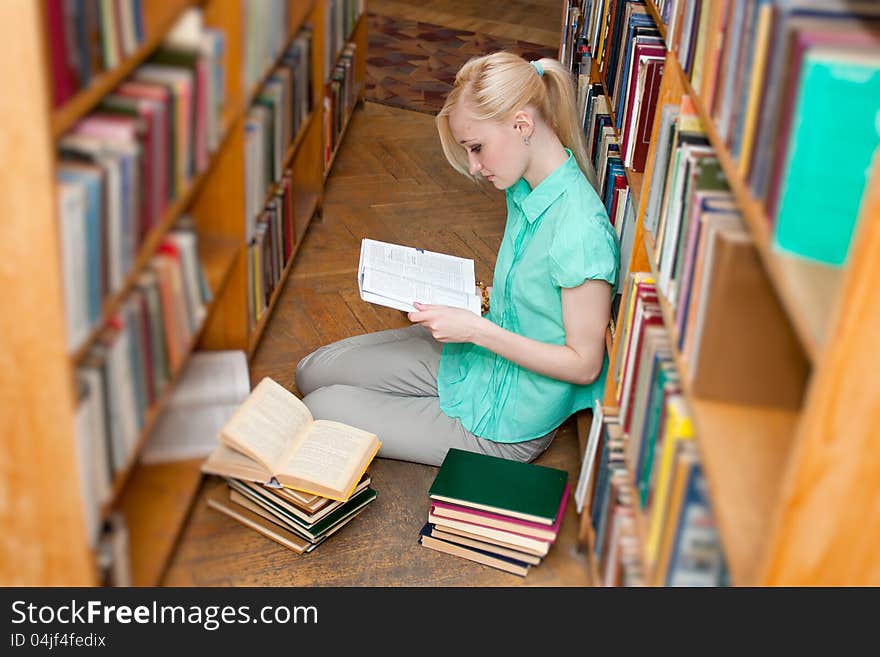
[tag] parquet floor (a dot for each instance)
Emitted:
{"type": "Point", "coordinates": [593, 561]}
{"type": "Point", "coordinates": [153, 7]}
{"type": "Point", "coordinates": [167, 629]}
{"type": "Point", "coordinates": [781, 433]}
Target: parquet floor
{"type": "Point", "coordinates": [390, 182]}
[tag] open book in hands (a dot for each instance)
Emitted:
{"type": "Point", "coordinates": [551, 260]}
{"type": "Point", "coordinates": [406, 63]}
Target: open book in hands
{"type": "Point", "coordinates": [398, 276]}
{"type": "Point", "coordinates": [273, 439]}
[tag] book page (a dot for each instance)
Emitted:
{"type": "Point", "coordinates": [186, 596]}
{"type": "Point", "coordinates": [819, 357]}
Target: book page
{"type": "Point", "coordinates": [398, 276]}
{"type": "Point", "coordinates": [410, 291]}
{"type": "Point", "coordinates": [226, 462]}
{"type": "Point", "coordinates": [213, 377]}
{"type": "Point", "coordinates": [419, 266]}
{"type": "Point", "coordinates": [329, 453]}
{"type": "Point", "coordinates": [267, 423]}
{"type": "Point", "coordinates": [186, 433]}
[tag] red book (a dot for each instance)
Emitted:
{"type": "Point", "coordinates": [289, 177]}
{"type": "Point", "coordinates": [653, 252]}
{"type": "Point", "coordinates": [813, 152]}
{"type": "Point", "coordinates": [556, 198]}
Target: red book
{"type": "Point", "coordinates": [642, 54]}
{"type": "Point", "coordinates": [500, 521]}
{"type": "Point", "coordinates": [63, 79]}
{"type": "Point", "coordinates": [159, 98]}
{"type": "Point", "coordinates": [645, 122]}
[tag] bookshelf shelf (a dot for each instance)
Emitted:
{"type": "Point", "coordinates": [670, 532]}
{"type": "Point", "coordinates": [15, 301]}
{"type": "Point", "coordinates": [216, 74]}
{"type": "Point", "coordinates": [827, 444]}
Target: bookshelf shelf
{"type": "Point", "coordinates": [218, 255]}
{"type": "Point", "coordinates": [787, 481]}
{"type": "Point", "coordinates": [156, 505]}
{"type": "Point", "coordinates": [147, 250]}
{"type": "Point", "coordinates": [634, 178]}
{"type": "Point", "coordinates": [53, 526]}
{"type": "Point", "coordinates": [288, 156]}
{"type": "Point", "coordinates": [744, 451]}
{"type": "Point", "coordinates": [807, 290]}
{"type": "Point", "coordinates": [232, 115]}
{"type": "Point", "coordinates": [257, 332]}
{"type": "Point", "coordinates": [339, 145]}
{"type": "Point", "coordinates": [158, 19]}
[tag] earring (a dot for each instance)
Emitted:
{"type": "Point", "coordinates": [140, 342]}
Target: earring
{"type": "Point", "coordinates": [526, 140]}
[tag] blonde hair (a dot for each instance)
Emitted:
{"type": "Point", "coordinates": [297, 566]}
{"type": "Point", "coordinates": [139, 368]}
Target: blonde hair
{"type": "Point", "coordinates": [496, 86]}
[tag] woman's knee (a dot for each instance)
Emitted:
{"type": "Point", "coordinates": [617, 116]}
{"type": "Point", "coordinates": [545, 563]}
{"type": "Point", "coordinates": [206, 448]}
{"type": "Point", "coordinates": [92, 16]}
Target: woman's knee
{"type": "Point", "coordinates": [308, 374]}
{"type": "Point", "coordinates": [324, 403]}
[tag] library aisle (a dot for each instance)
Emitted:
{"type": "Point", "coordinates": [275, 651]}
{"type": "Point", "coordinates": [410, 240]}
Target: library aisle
{"type": "Point", "coordinates": [392, 183]}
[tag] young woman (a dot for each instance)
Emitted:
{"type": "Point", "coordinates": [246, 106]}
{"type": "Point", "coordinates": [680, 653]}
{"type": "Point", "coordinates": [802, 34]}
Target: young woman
{"type": "Point", "coordinates": [502, 383]}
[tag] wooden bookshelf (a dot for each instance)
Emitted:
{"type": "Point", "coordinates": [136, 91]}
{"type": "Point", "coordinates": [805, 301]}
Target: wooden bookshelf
{"type": "Point", "coordinates": [792, 490]}
{"type": "Point", "coordinates": [158, 19]}
{"type": "Point", "coordinates": [217, 255]}
{"type": "Point", "coordinates": [744, 451]}
{"type": "Point", "coordinates": [156, 505]}
{"type": "Point", "coordinates": [634, 178]}
{"type": "Point", "coordinates": [260, 326]}
{"type": "Point", "coordinates": [808, 290]}
{"type": "Point", "coordinates": [345, 124]}
{"type": "Point", "coordinates": [50, 546]}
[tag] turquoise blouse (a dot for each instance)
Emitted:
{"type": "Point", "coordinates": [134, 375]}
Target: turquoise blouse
{"type": "Point", "coordinates": [557, 235]}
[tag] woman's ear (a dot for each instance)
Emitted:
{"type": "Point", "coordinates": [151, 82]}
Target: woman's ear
{"type": "Point", "coordinates": [523, 123]}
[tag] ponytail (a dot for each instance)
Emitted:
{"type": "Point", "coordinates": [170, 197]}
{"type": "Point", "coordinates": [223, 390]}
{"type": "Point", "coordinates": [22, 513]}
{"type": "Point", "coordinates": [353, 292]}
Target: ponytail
{"type": "Point", "coordinates": [496, 86]}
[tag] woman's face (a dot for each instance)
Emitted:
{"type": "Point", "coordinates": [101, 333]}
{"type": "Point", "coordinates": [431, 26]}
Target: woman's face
{"type": "Point", "coordinates": [495, 149]}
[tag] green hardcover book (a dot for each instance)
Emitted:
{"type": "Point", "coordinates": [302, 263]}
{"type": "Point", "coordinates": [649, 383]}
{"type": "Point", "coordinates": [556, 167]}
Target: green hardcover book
{"type": "Point", "coordinates": [520, 490]}
{"type": "Point", "coordinates": [835, 130]}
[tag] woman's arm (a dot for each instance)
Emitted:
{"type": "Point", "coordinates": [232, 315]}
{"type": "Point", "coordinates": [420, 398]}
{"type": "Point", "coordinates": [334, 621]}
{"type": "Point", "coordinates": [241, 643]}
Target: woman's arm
{"type": "Point", "coordinates": [585, 313]}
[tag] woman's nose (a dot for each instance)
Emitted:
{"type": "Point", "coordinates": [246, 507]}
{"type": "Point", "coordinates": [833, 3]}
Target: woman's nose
{"type": "Point", "coordinates": [475, 165]}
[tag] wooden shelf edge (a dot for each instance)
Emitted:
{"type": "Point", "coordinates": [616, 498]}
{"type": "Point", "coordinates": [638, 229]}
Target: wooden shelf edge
{"type": "Point", "coordinates": [147, 249]}
{"type": "Point", "coordinates": [73, 109]}
{"type": "Point", "coordinates": [737, 443]}
{"type": "Point", "coordinates": [345, 125]}
{"type": "Point", "coordinates": [156, 506]}
{"type": "Point", "coordinates": [661, 26]}
{"type": "Point", "coordinates": [122, 476]}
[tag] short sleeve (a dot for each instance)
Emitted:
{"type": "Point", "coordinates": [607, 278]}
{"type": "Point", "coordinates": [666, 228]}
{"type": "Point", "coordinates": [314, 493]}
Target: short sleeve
{"type": "Point", "coordinates": [584, 248]}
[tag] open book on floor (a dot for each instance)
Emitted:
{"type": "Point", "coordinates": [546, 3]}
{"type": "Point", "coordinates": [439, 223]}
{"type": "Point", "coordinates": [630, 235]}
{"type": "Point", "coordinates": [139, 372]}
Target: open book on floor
{"type": "Point", "coordinates": [273, 439]}
{"type": "Point", "coordinates": [397, 276]}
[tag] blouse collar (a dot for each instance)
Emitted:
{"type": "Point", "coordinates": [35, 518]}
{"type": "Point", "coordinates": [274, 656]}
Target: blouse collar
{"type": "Point", "coordinates": [533, 202]}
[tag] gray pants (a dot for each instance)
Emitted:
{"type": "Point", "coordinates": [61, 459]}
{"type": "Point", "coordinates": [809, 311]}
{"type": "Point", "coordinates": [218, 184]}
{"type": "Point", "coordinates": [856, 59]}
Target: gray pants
{"type": "Point", "coordinates": [386, 383]}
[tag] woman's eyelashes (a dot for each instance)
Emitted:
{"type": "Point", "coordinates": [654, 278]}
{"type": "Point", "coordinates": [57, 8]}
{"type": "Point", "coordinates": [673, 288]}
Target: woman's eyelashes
{"type": "Point", "coordinates": [475, 148]}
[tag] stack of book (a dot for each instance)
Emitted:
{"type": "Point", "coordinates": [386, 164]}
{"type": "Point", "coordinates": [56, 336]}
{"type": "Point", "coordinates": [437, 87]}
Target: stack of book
{"type": "Point", "coordinates": [494, 511]}
{"type": "Point", "coordinates": [297, 520]}
{"type": "Point", "coordinates": [294, 479]}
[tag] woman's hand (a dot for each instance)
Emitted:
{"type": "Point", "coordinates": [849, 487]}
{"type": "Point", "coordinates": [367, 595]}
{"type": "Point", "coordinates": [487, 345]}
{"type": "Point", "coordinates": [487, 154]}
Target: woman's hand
{"type": "Point", "coordinates": [447, 324]}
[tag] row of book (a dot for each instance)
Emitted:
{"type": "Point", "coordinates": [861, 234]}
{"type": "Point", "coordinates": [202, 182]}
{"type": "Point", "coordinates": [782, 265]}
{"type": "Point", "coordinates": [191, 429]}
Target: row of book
{"type": "Point", "coordinates": [728, 321]}
{"type": "Point", "coordinates": [339, 101]}
{"type": "Point", "coordinates": [776, 77]}
{"type": "Point", "coordinates": [271, 247]}
{"type": "Point", "coordinates": [265, 31]}
{"type": "Point", "coordinates": [612, 181]}
{"type": "Point", "coordinates": [658, 532]}
{"type": "Point", "coordinates": [87, 37]}
{"type": "Point", "coordinates": [342, 16]}
{"type": "Point", "coordinates": [272, 123]}
{"type": "Point", "coordinates": [125, 163]}
{"type": "Point", "coordinates": [629, 54]}
{"type": "Point", "coordinates": [131, 364]}
{"type": "Point", "coordinates": [478, 514]}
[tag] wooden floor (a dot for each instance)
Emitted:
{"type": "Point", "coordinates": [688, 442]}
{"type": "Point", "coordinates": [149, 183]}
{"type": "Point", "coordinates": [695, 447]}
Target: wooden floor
{"type": "Point", "coordinates": [390, 182]}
